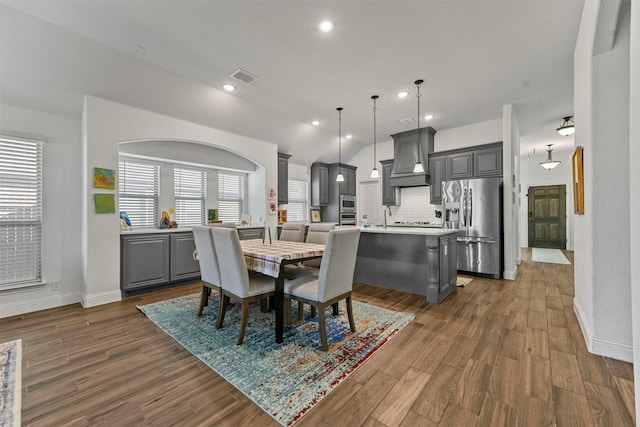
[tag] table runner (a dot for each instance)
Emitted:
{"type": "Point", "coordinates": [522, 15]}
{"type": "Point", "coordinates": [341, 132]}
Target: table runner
{"type": "Point", "coordinates": [266, 257]}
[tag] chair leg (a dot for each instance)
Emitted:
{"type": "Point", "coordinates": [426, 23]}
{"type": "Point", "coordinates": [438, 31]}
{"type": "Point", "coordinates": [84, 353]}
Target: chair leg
{"type": "Point", "coordinates": [243, 321]}
{"type": "Point", "coordinates": [222, 309]}
{"type": "Point", "coordinates": [314, 311]}
{"type": "Point", "coordinates": [335, 308]}
{"type": "Point", "coordinates": [300, 311]}
{"type": "Point", "coordinates": [203, 300]}
{"type": "Point", "coordinates": [323, 330]}
{"type": "Point", "coordinates": [264, 306]}
{"type": "Point", "coordinates": [206, 302]}
{"type": "Point", "coordinates": [352, 324]}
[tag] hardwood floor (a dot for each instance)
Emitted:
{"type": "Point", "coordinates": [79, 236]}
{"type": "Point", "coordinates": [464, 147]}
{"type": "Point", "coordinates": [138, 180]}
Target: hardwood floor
{"type": "Point", "coordinates": [495, 353]}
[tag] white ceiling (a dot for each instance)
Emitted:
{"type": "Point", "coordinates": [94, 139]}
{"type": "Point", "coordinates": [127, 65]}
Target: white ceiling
{"type": "Point", "coordinates": [173, 56]}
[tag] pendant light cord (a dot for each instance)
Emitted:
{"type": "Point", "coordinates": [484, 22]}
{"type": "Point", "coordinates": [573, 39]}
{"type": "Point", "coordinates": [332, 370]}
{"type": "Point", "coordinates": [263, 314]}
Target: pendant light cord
{"type": "Point", "coordinates": [339, 136]}
{"type": "Point", "coordinates": [418, 83]}
{"type": "Point", "coordinates": [374, 97]}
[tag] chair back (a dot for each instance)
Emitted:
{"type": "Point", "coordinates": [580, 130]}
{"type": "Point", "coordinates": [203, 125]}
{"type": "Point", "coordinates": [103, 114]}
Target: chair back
{"type": "Point", "coordinates": [318, 233]}
{"type": "Point", "coordinates": [338, 263]}
{"type": "Point", "coordinates": [293, 232]}
{"type": "Point", "coordinates": [224, 224]}
{"type": "Point", "coordinates": [206, 255]}
{"type": "Point", "coordinates": [233, 268]}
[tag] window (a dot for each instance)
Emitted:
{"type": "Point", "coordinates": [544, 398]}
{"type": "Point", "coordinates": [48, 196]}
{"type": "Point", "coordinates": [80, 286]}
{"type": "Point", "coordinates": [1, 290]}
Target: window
{"type": "Point", "coordinates": [20, 212]}
{"type": "Point", "coordinates": [231, 196]}
{"type": "Point", "coordinates": [298, 206]}
{"type": "Point", "coordinates": [190, 195]}
{"type": "Point", "coordinates": [139, 190]}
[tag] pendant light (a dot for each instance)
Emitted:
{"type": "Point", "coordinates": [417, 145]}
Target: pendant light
{"type": "Point", "coordinates": [340, 177]}
{"type": "Point", "coordinates": [374, 171]}
{"type": "Point", "coordinates": [549, 163]}
{"type": "Point", "coordinates": [418, 168]}
{"type": "Point", "coordinates": [567, 127]}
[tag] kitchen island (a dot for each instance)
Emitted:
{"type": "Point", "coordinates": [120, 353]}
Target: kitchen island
{"type": "Point", "coordinates": [421, 261]}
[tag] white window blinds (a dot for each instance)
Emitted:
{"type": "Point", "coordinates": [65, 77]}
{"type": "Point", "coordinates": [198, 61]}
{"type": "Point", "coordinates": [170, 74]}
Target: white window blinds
{"type": "Point", "coordinates": [20, 211]}
{"type": "Point", "coordinates": [231, 196]}
{"type": "Point", "coordinates": [139, 192]}
{"type": "Point", "coordinates": [298, 206]}
{"type": "Point", "coordinates": [190, 195]}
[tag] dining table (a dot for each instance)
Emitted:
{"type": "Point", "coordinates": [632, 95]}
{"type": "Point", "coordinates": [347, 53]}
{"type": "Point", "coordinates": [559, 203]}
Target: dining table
{"type": "Point", "coordinates": [270, 258]}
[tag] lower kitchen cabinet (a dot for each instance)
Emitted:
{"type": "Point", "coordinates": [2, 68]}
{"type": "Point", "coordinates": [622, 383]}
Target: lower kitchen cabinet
{"type": "Point", "coordinates": [154, 259]}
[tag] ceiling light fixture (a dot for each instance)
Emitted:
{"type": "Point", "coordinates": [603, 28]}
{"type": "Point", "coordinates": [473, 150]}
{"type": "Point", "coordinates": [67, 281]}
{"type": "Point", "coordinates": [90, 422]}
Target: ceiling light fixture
{"type": "Point", "coordinates": [326, 26]}
{"type": "Point", "coordinates": [429, 117]}
{"type": "Point", "coordinates": [348, 136]}
{"type": "Point", "coordinates": [418, 168]}
{"type": "Point", "coordinates": [374, 171]}
{"type": "Point", "coordinates": [402, 94]}
{"type": "Point", "coordinates": [567, 127]}
{"type": "Point", "coordinates": [340, 177]}
{"type": "Point", "coordinates": [315, 122]}
{"type": "Point", "coordinates": [228, 87]}
{"type": "Point", "coordinates": [549, 163]}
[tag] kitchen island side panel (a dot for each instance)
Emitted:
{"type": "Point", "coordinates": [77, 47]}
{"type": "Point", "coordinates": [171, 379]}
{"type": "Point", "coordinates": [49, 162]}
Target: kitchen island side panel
{"type": "Point", "coordinates": [404, 262]}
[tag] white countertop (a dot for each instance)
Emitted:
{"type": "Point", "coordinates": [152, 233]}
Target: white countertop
{"type": "Point", "coordinates": [425, 231]}
{"type": "Point", "coordinates": [175, 230]}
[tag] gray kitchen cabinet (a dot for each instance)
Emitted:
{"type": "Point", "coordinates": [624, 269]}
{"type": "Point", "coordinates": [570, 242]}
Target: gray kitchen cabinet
{"type": "Point", "coordinates": [487, 162]}
{"type": "Point", "coordinates": [144, 261]}
{"type": "Point", "coordinates": [283, 178]}
{"type": "Point", "coordinates": [348, 186]}
{"type": "Point", "coordinates": [331, 211]}
{"type": "Point", "coordinates": [390, 195]}
{"type": "Point", "coordinates": [251, 233]}
{"type": "Point", "coordinates": [460, 165]}
{"type": "Point", "coordinates": [437, 170]}
{"type": "Point", "coordinates": [319, 184]}
{"type": "Point", "coordinates": [183, 265]}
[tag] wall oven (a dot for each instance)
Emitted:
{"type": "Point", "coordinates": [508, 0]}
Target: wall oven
{"type": "Point", "coordinates": [347, 218]}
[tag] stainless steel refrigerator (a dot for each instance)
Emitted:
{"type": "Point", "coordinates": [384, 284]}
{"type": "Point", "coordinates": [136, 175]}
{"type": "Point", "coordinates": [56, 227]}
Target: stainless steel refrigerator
{"type": "Point", "coordinates": [474, 206]}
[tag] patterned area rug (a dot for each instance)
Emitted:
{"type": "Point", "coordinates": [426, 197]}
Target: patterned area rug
{"type": "Point", "coordinates": [10, 383]}
{"type": "Point", "coordinates": [462, 281]}
{"type": "Point", "coordinates": [285, 380]}
{"type": "Point", "coordinates": [554, 256]}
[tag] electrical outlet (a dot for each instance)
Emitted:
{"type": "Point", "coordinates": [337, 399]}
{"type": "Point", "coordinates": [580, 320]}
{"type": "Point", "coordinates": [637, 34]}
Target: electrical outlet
{"type": "Point", "coordinates": [55, 286]}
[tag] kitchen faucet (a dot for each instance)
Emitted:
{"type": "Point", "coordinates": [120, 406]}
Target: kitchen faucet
{"type": "Point", "coordinates": [384, 215]}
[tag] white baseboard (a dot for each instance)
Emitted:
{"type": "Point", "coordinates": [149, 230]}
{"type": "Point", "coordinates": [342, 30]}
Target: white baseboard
{"type": "Point", "coordinates": [92, 300]}
{"type": "Point", "coordinates": [510, 274]}
{"type": "Point", "coordinates": [37, 304]}
{"type": "Point", "coordinates": [601, 346]}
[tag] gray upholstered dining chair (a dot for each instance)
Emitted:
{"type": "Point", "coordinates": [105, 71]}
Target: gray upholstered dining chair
{"type": "Point", "coordinates": [236, 283]}
{"type": "Point", "coordinates": [292, 231]}
{"type": "Point", "coordinates": [205, 254]}
{"type": "Point", "coordinates": [334, 282]}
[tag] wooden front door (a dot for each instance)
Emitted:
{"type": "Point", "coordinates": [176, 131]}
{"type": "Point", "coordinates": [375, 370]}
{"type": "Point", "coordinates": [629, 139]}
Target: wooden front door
{"type": "Point", "coordinates": [547, 217]}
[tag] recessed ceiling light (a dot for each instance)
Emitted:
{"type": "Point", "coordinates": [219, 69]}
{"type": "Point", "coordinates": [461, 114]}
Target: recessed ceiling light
{"type": "Point", "coordinates": [348, 136]}
{"type": "Point", "coordinates": [326, 26]}
{"type": "Point", "coordinates": [402, 94]}
{"type": "Point", "coordinates": [429, 117]}
{"type": "Point", "coordinates": [229, 88]}
{"type": "Point", "coordinates": [315, 122]}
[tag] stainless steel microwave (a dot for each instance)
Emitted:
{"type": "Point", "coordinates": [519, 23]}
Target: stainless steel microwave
{"type": "Point", "coordinates": [347, 203]}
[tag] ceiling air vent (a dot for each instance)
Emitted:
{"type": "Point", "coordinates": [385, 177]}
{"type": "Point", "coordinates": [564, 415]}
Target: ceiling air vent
{"type": "Point", "coordinates": [244, 76]}
{"type": "Point", "coordinates": [407, 121]}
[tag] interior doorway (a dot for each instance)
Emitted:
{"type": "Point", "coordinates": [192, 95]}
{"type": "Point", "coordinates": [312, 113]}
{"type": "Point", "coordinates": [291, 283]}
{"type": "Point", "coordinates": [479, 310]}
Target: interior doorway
{"type": "Point", "coordinates": [369, 203]}
{"type": "Point", "coordinates": [547, 218]}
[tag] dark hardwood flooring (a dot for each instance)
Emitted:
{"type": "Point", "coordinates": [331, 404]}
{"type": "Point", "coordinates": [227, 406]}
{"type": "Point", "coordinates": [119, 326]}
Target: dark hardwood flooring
{"type": "Point", "coordinates": [495, 353]}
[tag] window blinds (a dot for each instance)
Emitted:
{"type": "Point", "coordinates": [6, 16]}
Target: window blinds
{"type": "Point", "coordinates": [139, 191]}
{"type": "Point", "coordinates": [20, 211]}
{"type": "Point", "coordinates": [231, 193]}
{"type": "Point", "coordinates": [190, 195]}
{"type": "Point", "coordinates": [298, 206]}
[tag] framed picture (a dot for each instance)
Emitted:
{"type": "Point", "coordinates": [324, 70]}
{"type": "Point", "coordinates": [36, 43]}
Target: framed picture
{"type": "Point", "coordinates": [578, 181]}
{"type": "Point", "coordinates": [272, 193]}
{"type": "Point", "coordinates": [273, 208]}
{"type": "Point", "coordinates": [315, 215]}
{"type": "Point", "coordinates": [104, 178]}
{"type": "Point", "coordinates": [104, 203]}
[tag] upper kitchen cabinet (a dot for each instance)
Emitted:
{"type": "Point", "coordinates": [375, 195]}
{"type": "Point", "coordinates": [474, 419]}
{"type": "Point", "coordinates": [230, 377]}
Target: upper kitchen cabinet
{"type": "Point", "coordinates": [348, 186]}
{"type": "Point", "coordinates": [488, 162]}
{"type": "Point", "coordinates": [390, 195]}
{"type": "Point", "coordinates": [409, 147]}
{"type": "Point", "coordinates": [437, 172]}
{"type": "Point", "coordinates": [283, 178]}
{"type": "Point", "coordinates": [319, 184]}
{"type": "Point", "coordinates": [460, 165]}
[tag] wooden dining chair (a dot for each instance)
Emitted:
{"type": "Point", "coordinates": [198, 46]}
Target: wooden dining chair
{"type": "Point", "coordinates": [205, 254]}
{"type": "Point", "coordinates": [334, 282]}
{"type": "Point", "coordinates": [236, 283]}
{"type": "Point", "coordinates": [292, 231]}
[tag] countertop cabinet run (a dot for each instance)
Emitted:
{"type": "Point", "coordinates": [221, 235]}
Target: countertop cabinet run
{"type": "Point", "coordinates": [283, 178]}
{"type": "Point", "coordinates": [390, 195]}
{"type": "Point", "coordinates": [319, 184]}
{"type": "Point", "coordinates": [183, 265]}
{"type": "Point", "coordinates": [481, 161]}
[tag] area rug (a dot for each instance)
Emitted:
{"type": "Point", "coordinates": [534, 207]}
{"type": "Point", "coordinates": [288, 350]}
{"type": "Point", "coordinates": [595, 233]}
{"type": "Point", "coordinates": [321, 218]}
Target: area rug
{"type": "Point", "coordinates": [285, 380]}
{"type": "Point", "coordinates": [462, 281]}
{"type": "Point", "coordinates": [554, 256]}
{"type": "Point", "coordinates": [10, 383]}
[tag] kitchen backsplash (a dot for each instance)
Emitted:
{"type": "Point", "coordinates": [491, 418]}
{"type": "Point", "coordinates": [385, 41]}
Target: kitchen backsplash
{"type": "Point", "coordinates": [414, 206]}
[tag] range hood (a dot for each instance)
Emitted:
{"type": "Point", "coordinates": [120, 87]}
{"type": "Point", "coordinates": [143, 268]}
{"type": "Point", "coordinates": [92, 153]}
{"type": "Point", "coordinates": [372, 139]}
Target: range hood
{"type": "Point", "coordinates": [408, 147]}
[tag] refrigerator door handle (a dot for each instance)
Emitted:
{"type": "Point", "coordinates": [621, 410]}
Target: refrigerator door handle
{"type": "Point", "coordinates": [464, 207]}
{"type": "Point", "coordinates": [470, 208]}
